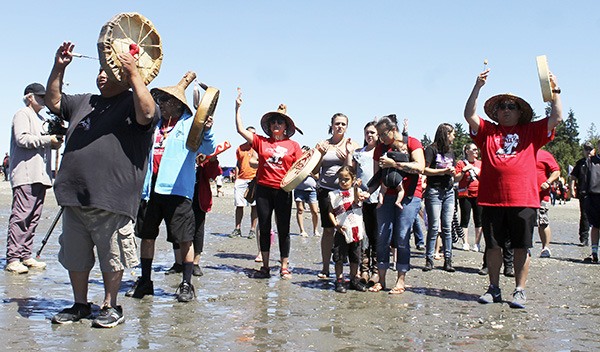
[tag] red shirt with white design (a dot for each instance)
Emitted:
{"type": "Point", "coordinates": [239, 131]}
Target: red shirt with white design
{"type": "Point", "coordinates": [546, 165]}
{"type": "Point", "coordinates": [275, 158]}
{"type": "Point", "coordinates": [468, 186]}
{"type": "Point", "coordinates": [162, 132]}
{"type": "Point", "coordinates": [508, 173]}
{"type": "Point", "coordinates": [348, 213]}
{"type": "Point", "coordinates": [412, 182]}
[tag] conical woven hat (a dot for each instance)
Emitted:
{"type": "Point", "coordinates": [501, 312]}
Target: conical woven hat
{"type": "Point", "coordinates": [178, 91]}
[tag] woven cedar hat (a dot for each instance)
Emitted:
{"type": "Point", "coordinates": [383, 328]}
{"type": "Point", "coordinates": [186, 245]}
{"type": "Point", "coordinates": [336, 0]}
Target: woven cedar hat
{"type": "Point", "coordinates": [281, 112]}
{"type": "Point", "coordinates": [178, 91]}
{"type": "Point", "coordinates": [491, 106]}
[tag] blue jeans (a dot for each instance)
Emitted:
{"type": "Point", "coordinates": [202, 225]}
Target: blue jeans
{"type": "Point", "coordinates": [395, 226]}
{"type": "Point", "coordinates": [439, 204]}
{"type": "Point", "coordinates": [417, 231]}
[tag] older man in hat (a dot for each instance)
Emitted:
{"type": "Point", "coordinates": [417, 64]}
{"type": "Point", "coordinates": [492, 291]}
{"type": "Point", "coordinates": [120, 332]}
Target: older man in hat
{"type": "Point", "coordinates": [30, 169]}
{"type": "Point", "coordinates": [508, 189]}
{"type": "Point", "coordinates": [169, 188]}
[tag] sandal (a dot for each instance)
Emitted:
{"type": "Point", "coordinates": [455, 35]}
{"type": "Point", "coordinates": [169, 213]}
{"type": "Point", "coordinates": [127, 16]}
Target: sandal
{"type": "Point", "coordinates": [323, 275]}
{"type": "Point", "coordinates": [263, 273]}
{"type": "Point", "coordinates": [285, 274]}
{"type": "Point", "coordinates": [397, 290]}
{"type": "Point", "coordinates": [258, 258]}
{"type": "Point", "coordinates": [376, 288]}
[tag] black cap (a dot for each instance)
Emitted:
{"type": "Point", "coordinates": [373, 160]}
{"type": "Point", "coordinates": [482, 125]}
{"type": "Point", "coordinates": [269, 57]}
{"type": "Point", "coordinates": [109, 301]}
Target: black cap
{"type": "Point", "coordinates": [36, 89]}
{"type": "Point", "coordinates": [588, 146]}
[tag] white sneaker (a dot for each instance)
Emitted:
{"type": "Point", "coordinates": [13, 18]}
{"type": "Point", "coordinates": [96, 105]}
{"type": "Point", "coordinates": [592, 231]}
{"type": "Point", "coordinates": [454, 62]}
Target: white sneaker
{"type": "Point", "coordinates": [16, 267]}
{"type": "Point", "coordinates": [34, 264]}
{"type": "Point", "coordinates": [303, 234]}
{"type": "Point", "coordinates": [466, 247]}
{"type": "Point", "coordinates": [545, 253]}
{"type": "Point", "coordinates": [475, 248]}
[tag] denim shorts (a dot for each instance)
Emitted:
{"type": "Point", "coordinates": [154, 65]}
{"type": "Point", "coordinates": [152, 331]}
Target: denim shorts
{"type": "Point", "coordinates": [308, 196]}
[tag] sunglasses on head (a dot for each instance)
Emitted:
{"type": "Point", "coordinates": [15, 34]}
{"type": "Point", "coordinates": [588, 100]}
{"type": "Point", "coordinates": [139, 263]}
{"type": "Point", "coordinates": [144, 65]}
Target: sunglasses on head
{"type": "Point", "coordinates": [509, 106]}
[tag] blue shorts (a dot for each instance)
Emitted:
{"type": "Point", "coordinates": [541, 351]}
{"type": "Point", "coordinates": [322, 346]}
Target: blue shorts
{"type": "Point", "coordinates": [308, 196]}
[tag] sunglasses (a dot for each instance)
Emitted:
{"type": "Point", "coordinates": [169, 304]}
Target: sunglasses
{"type": "Point", "coordinates": [277, 120]}
{"type": "Point", "coordinates": [509, 106]}
{"type": "Point", "coordinates": [162, 98]}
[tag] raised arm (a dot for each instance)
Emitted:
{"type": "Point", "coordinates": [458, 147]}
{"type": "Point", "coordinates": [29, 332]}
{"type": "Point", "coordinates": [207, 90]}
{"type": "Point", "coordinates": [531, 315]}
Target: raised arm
{"type": "Point", "coordinates": [145, 107]}
{"type": "Point", "coordinates": [62, 59]}
{"type": "Point", "coordinates": [555, 105]}
{"type": "Point", "coordinates": [471, 106]}
{"type": "Point", "coordinates": [248, 135]}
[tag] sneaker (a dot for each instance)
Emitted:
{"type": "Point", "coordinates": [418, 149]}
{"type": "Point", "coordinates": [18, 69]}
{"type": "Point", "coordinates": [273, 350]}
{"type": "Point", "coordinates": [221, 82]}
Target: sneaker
{"type": "Point", "coordinates": [466, 247]}
{"type": "Point", "coordinates": [235, 233]}
{"type": "Point", "coordinates": [185, 292]}
{"type": "Point", "coordinates": [109, 317]}
{"type": "Point", "coordinates": [492, 295]}
{"type": "Point", "coordinates": [428, 264]}
{"type": "Point", "coordinates": [140, 289]}
{"type": "Point", "coordinates": [197, 270]}
{"type": "Point", "coordinates": [584, 243]}
{"type": "Point", "coordinates": [545, 253]}
{"type": "Point", "coordinates": [16, 267]}
{"type": "Point", "coordinates": [483, 271]}
{"type": "Point", "coordinates": [69, 315]}
{"type": "Point", "coordinates": [262, 273]}
{"type": "Point", "coordinates": [475, 248]}
{"type": "Point", "coordinates": [519, 299]}
{"type": "Point", "coordinates": [358, 285]}
{"type": "Point", "coordinates": [303, 234]}
{"type": "Point", "coordinates": [339, 286]}
{"type": "Point", "coordinates": [420, 246]}
{"type": "Point", "coordinates": [34, 264]}
{"type": "Point", "coordinates": [593, 258]}
{"type": "Point", "coordinates": [509, 271]}
{"type": "Point", "coordinates": [251, 234]}
{"type": "Point", "coordinates": [175, 269]}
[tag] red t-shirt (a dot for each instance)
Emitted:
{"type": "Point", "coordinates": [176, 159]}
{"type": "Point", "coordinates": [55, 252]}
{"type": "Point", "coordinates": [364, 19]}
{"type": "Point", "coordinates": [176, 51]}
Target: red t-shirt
{"type": "Point", "coordinates": [508, 175]}
{"type": "Point", "coordinates": [274, 159]}
{"type": "Point", "coordinates": [160, 137]}
{"type": "Point", "coordinates": [410, 182]}
{"type": "Point", "coordinates": [546, 165]}
{"type": "Point", "coordinates": [468, 186]}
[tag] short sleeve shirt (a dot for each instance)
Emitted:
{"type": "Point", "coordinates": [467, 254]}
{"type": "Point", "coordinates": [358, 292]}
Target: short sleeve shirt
{"type": "Point", "coordinates": [275, 158]}
{"type": "Point", "coordinates": [546, 165]}
{"type": "Point", "coordinates": [412, 182]}
{"type": "Point", "coordinates": [243, 155]}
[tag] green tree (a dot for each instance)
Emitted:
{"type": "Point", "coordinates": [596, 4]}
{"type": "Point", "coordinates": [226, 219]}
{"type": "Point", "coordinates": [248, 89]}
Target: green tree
{"type": "Point", "coordinates": [425, 140]}
{"type": "Point", "coordinates": [565, 146]}
{"type": "Point", "coordinates": [592, 135]}
{"type": "Point", "coordinates": [461, 138]}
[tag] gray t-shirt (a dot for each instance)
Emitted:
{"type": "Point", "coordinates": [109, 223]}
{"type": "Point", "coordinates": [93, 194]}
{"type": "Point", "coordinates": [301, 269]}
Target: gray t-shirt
{"type": "Point", "coordinates": [106, 153]}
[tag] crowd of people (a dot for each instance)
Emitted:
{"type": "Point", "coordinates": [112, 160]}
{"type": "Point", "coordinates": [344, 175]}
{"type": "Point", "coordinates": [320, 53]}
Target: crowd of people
{"type": "Point", "coordinates": [365, 201]}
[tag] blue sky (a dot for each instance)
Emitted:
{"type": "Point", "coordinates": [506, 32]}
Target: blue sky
{"type": "Point", "coordinates": [417, 59]}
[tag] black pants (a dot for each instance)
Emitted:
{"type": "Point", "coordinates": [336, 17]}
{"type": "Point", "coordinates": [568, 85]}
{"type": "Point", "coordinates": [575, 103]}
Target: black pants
{"type": "Point", "coordinates": [369, 246]}
{"type": "Point", "coordinates": [269, 200]}
{"type": "Point", "coordinates": [584, 225]}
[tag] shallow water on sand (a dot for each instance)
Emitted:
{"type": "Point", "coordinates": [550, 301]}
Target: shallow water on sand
{"type": "Point", "coordinates": [235, 312]}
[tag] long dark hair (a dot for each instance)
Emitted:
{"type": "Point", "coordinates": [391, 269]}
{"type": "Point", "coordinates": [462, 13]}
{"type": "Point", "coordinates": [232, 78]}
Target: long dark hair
{"type": "Point", "coordinates": [369, 124]}
{"type": "Point", "coordinates": [441, 141]}
{"type": "Point", "coordinates": [388, 122]}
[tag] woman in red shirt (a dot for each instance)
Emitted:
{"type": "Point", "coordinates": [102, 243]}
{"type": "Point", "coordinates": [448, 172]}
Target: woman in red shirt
{"type": "Point", "coordinates": [467, 175]}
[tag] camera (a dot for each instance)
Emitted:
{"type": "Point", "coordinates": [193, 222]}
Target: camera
{"type": "Point", "coordinates": [56, 125]}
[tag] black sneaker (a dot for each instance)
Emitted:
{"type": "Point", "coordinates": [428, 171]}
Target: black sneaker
{"type": "Point", "coordinates": [428, 264]}
{"type": "Point", "coordinates": [358, 285]}
{"type": "Point", "coordinates": [69, 315]}
{"type": "Point", "coordinates": [109, 317]}
{"type": "Point", "coordinates": [140, 289]}
{"type": "Point", "coordinates": [593, 258]}
{"type": "Point", "coordinates": [339, 286]}
{"type": "Point", "coordinates": [483, 271]}
{"type": "Point", "coordinates": [197, 270]}
{"type": "Point", "coordinates": [185, 292]}
{"type": "Point", "coordinates": [492, 295]}
{"type": "Point", "coordinates": [175, 269]}
{"type": "Point", "coordinates": [509, 271]}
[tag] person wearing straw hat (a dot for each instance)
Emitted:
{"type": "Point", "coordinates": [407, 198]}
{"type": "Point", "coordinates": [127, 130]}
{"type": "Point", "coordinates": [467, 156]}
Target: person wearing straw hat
{"type": "Point", "coordinates": [169, 187]}
{"type": "Point", "coordinates": [101, 176]}
{"type": "Point", "coordinates": [508, 189]}
{"type": "Point", "coordinates": [276, 154]}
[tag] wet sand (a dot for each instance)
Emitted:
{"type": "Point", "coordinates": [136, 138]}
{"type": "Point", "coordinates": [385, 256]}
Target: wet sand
{"type": "Point", "coordinates": [235, 312]}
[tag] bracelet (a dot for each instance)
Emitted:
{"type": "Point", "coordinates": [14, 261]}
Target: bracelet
{"type": "Point", "coordinates": [556, 91]}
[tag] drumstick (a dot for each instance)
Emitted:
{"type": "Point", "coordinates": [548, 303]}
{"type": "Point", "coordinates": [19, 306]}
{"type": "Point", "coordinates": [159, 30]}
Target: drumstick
{"type": "Point", "coordinates": [84, 56]}
{"type": "Point", "coordinates": [485, 62]}
{"type": "Point", "coordinates": [239, 90]}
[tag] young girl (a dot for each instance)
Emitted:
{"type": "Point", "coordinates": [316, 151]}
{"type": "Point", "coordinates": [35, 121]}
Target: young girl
{"type": "Point", "coordinates": [346, 216]}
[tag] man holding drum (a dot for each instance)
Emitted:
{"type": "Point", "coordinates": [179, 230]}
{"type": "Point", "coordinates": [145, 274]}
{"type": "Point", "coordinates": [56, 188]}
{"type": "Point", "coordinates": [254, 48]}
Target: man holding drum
{"type": "Point", "coordinates": [100, 179]}
{"type": "Point", "coordinates": [508, 189]}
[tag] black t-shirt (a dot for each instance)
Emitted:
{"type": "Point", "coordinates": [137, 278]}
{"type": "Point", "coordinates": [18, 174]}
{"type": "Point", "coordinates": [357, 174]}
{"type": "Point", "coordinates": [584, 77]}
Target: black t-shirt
{"type": "Point", "coordinates": [435, 160]}
{"type": "Point", "coordinates": [106, 153]}
{"type": "Point", "coordinates": [580, 173]}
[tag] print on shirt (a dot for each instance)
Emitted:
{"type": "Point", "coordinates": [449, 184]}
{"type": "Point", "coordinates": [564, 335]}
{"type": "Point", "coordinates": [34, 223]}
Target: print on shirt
{"type": "Point", "coordinates": [85, 124]}
{"type": "Point", "coordinates": [442, 161]}
{"type": "Point", "coordinates": [276, 157]}
{"type": "Point", "coordinates": [509, 147]}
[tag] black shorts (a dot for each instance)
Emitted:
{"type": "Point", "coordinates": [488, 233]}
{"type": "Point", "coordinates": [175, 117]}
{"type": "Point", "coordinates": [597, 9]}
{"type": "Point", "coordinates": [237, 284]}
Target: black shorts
{"type": "Point", "coordinates": [343, 250]}
{"type": "Point", "coordinates": [508, 224]}
{"type": "Point", "coordinates": [591, 204]}
{"type": "Point", "coordinates": [324, 207]}
{"type": "Point", "coordinates": [175, 210]}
